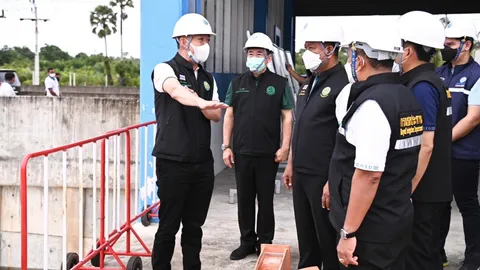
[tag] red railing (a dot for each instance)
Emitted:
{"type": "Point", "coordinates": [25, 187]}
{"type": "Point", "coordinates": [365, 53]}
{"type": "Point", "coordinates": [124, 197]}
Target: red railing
{"type": "Point", "coordinates": [104, 245]}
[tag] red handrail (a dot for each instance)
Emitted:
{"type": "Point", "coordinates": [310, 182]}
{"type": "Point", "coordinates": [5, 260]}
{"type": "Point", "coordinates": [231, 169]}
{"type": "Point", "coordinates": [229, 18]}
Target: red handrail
{"type": "Point", "coordinates": [23, 180]}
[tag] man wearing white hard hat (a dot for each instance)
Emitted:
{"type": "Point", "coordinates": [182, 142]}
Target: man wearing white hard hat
{"type": "Point", "coordinates": [260, 109]}
{"type": "Point", "coordinates": [461, 76]}
{"type": "Point", "coordinates": [312, 146]}
{"type": "Point", "coordinates": [375, 158]}
{"type": "Point", "coordinates": [186, 100]}
{"type": "Point", "coordinates": [431, 186]}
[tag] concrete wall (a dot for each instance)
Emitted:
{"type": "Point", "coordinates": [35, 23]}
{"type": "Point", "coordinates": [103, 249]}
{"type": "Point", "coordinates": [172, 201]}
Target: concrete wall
{"type": "Point", "coordinates": [84, 91]}
{"type": "Point", "coordinates": [30, 124]}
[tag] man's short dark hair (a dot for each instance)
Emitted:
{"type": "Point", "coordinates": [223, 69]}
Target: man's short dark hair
{"type": "Point", "coordinates": [9, 76]}
{"type": "Point", "coordinates": [50, 69]}
{"type": "Point", "coordinates": [387, 64]}
{"type": "Point", "coordinates": [422, 54]}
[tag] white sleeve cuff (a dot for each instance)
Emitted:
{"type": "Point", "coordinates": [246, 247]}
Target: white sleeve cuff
{"type": "Point", "coordinates": [161, 73]}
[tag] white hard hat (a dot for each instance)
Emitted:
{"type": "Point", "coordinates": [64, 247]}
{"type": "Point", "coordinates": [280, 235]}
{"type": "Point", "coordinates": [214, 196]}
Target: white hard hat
{"type": "Point", "coordinates": [330, 33]}
{"type": "Point", "coordinates": [380, 42]}
{"type": "Point", "coordinates": [259, 40]}
{"type": "Point", "coordinates": [421, 28]}
{"type": "Point", "coordinates": [460, 29]}
{"type": "Point", "coordinates": [192, 24]}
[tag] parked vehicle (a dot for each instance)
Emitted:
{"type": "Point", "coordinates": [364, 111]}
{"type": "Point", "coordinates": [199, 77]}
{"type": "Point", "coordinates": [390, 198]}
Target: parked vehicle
{"type": "Point", "coordinates": [17, 85]}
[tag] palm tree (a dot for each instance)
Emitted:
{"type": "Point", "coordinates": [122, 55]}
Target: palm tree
{"type": "Point", "coordinates": [104, 23]}
{"type": "Point", "coordinates": [123, 16]}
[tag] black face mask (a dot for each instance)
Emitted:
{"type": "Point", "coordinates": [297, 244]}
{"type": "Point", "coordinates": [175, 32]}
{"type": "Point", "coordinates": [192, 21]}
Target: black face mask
{"type": "Point", "coordinates": [448, 54]}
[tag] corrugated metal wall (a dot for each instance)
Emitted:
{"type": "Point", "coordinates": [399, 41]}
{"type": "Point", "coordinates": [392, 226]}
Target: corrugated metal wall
{"type": "Point", "coordinates": [230, 20]}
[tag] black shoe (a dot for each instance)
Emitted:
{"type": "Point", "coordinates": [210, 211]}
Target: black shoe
{"type": "Point", "coordinates": [242, 252]}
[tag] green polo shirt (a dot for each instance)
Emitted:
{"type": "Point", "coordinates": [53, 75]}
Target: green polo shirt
{"type": "Point", "coordinates": [287, 100]}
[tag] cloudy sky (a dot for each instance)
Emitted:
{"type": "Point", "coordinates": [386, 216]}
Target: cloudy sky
{"type": "Point", "coordinates": [69, 27]}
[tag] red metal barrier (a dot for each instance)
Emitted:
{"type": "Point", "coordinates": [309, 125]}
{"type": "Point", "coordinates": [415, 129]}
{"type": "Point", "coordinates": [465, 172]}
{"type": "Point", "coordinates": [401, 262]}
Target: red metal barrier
{"type": "Point", "coordinates": [104, 245]}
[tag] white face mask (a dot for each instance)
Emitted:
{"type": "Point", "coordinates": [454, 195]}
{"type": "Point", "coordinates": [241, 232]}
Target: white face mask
{"type": "Point", "coordinates": [311, 60]}
{"type": "Point", "coordinates": [51, 75]}
{"type": "Point", "coordinates": [396, 67]}
{"type": "Point", "coordinates": [200, 53]}
{"type": "Point", "coordinates": [348, 69]}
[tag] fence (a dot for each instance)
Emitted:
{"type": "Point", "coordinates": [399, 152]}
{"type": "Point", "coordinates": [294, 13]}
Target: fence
{"type": "Point", "coordinates": [114, 210]}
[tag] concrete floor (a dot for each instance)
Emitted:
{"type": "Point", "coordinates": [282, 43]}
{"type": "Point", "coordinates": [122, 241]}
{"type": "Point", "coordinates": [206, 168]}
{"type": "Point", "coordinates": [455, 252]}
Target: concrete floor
{"type": "Point", "coordinates": [221, 233]}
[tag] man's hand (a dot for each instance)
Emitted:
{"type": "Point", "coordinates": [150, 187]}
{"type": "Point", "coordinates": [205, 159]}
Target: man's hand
{"type": "Point", "coordinates": [211, 105]}
{"type": "Point", "coordinates": [281, 155]}
{"type": "Point", "coordinates": [289, 67]}
{"type": "Point", "coordinates": [288, 176]}
{"type": "Point", "coordinates": [228, 157]}
{"type": "Point", "coordinates": [326, 197]}
{"type": "Point", "coordinates": [345, 249]}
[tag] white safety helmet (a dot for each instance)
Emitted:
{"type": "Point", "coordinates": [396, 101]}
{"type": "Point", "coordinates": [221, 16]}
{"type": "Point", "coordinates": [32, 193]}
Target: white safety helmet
{"type": "Point", "coordinates": [379, 42]}
{"type": "Point", "coordinates": [259, 40]}
{"type": "Point", "coordinates": [421, 28]}
{"type": "Point", "coordinates": [192, 24]}
{"type": "Point", "coordinates": [461, 29]}
{"type": "Point", "coordinates": [330, 33]}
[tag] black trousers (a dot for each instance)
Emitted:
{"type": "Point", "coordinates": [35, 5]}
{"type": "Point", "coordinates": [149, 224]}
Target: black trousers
{"type": "Point", "coordinates": [317, 239]}
{"type": "Point", "coordinates": [424, 252]}
{"type": "Point", "coordinates": [255, 178]}
{"type": "Point", "coordinates": [185, 191]}
{"type": "Point", "coordinates": [382, 256]}
{"type": "Point", "coordinates": [465, 175]}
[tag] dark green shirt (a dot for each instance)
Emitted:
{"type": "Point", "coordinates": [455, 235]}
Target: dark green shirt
{"type": "Point", "coordinates": [287, 101]}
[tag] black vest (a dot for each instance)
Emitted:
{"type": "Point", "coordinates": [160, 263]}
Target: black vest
{"type": "Point", "coordinates": [391, 212]}
{"type": "Point", "coordinates": [257, 105]}
{"type": "Point", "coordinates": [316, 124]}
{"type": "Point", "coordinates": [183, 132]}
{"type": "Point", "coordinates": [436, 184]}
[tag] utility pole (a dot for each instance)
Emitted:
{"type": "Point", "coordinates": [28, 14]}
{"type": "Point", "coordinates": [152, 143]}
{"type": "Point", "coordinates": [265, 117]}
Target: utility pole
{"type": "Point", "coordinates": [2, 15]}
{"type": "Point", "coordinates": [36, 77]}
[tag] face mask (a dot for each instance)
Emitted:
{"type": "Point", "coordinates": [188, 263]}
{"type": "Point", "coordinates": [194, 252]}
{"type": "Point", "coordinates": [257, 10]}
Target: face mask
{"type": "Point", "coordinates": [348, 69]}
{"type": "Point", "coordinates": [256, 64]}
{"type": "Point", "coordinates": [396, 67]}
{"type": "Point", "coordinates": [311, 60]}
{"type": "Point", "coordinates": [448, 54]}
{"type": "Point", "coordinates": [200, 53]}
{"type": "Point", "coordinates": [52, 75]}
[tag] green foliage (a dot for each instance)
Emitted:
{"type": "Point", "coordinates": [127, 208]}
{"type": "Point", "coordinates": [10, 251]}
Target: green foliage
{"type": "Point", "coordinates": [103, 21]}
{"type": "Point", "coordinates": [89, 69]}
{"type": "Point", "coordinates": [299, 66]}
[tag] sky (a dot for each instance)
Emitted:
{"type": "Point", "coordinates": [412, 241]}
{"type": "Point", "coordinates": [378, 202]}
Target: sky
{"type": "Point", "coordinates": [69, 26]}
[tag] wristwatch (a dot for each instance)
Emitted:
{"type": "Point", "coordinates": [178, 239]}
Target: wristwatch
{"type": "Point", "coordinates": [225, 146]}
{"type": "Point", "coordinates": [346, 235]}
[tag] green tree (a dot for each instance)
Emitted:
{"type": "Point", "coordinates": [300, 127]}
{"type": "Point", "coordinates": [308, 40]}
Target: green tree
{"type": "Point", "coordinates": [122, 4]}
{"type": "Point", "coordinates": [299, 66]}
{"type": "Point", "coordinates": [53, 53]}
{"type": "Point", "coordinates": [104, 23]}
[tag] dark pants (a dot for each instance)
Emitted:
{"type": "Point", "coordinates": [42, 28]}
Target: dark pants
{"type": "Point", "coordinates": [255, 177]}
{"type": "Point", "coordinates": [382, 256]}
{"type": "Point", "coordinates": [317, 239]}
{"type": "Point", "coordinates": [424, 252]}
{"type": "Point", "coordinates": [185, 190]}
{"type": "Point", "coordinates": [465, 175]}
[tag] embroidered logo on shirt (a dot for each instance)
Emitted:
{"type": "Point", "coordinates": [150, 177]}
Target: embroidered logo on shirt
{"type": "Point", "coordinates": [325, 92]}
{"type": "Point", "coordinates": [271, 90]}
{"type": "Point", "coordinates": [182, 77]}
{"type": "Point", "coordinates": [206, 85]}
